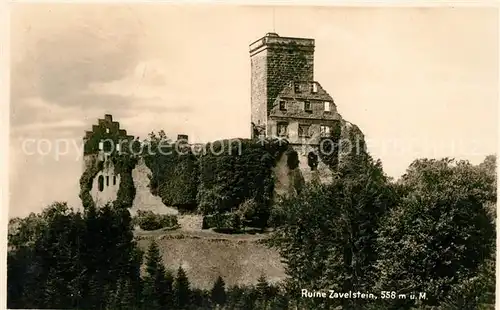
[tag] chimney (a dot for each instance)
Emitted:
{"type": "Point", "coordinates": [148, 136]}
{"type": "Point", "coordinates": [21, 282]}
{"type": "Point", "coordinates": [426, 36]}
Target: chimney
{"type": "Point", "coordinates": [182, 137]}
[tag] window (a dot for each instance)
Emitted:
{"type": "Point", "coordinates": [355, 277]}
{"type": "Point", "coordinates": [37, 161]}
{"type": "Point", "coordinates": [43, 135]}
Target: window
{"type": "Point", "coordinates": [304, 130]}
{"type": "Point", "coordinates": [327, 106]}
{"type": "Point", "coordinates": [325, 130]}
{"type": "Point", "coordinates": [307, 106]}
{"type": "Point", "coordinates": [107, 146]}
{"type": "Point", "coordinates": [282, 129]}
{"type": "Point", "coordinates": [114, 180]}
{"type": "Point", "coordinates": [107, 180]}
{"type": "Point", "coordinates": [282, 105]}
{"type": "Point", "coordinates": [312, 160]}
{"type": "Point", "coordinates": [296, 87]}
{"type": "Point", "coordinates": [100, 183]}
{"type": "Point", "coordinates": [118, 147]}
{"type": "Point", "coordinates": [107, 130]}
{"type": "Point", "coordinates": [101, 146]}
{"type": "Point", "coordinates": [314, 87]}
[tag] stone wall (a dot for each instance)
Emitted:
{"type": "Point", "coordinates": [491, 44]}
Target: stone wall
{"type": "Point", "coordinates": [144, 200]}
{"type": "Point", "coordinates": [107, 193]}
{"type": "Point", "coordinates": [275, 61]}
{"type": "Point", "coordinates": [259, 88]}
{"type": "Point", "coordinates": [287, 63]}
{"type": "Point", "coordinates": [293, 129]}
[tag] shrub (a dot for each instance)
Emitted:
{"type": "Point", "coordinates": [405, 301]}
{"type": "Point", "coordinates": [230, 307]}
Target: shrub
{"type": "Point", "coordinates": [147, 220]}
{"type": "Point", "coordinates": [222, 222]}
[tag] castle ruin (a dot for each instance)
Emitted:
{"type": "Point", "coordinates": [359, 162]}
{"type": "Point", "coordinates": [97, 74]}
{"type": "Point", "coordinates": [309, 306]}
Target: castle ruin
{"type": "Point", "coordinates": [286, 103]}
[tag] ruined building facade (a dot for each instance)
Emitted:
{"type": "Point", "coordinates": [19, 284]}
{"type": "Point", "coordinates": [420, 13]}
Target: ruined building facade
{"type": "Point", "coordinates": [287, 102]}
{"type": "Point", "coordinates": [106, 138]}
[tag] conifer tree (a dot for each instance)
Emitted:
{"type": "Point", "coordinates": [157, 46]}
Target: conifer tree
{"type": "Point", "coordinates": [218, 292]}
{"type": "Point", "coordinates": [158, 283]}
{"type": "Point", "coordinates": [181, 289]}
{"type": "Point", "coordinates": [263, 291]}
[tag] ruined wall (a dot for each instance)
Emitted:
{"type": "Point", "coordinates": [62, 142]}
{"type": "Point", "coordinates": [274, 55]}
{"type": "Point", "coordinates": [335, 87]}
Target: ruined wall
{"type": "Point", "coordinates": [105, 185]}
{"type": "Point", "coordinates": [144, 200]}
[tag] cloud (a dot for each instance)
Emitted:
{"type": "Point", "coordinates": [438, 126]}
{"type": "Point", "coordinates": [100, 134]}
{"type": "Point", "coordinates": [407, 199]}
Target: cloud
{"type": "Point", "coordinates": [64, 124]}
{"type": "Point", "coordinates": [58, 57]}
{"type": "Point", "coordinates": [148, 87]}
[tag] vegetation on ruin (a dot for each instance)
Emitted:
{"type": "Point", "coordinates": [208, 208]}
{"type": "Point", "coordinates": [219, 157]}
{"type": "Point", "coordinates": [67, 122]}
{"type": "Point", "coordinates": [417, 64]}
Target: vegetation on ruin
{"type": "Point", "coordinates": [329, 147]}
{"type": "Point", "coordinates": [123, 165]}
{"type": "Point", "coordinates": [174, 172]}
{"type": "Point", "coordinates": [86, 180]}
{"type": "Point", "coordinates": [240, 177]}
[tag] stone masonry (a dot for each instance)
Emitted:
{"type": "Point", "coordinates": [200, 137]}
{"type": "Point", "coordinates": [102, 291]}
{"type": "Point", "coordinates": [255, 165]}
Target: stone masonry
{"type": "Point", "coordinates": [287, 102]}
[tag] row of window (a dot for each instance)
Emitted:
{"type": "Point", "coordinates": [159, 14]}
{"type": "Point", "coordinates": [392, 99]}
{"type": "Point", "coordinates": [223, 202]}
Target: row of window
{"type": "Point", "coordinates": [297, 89]}
{"type": "Point", "coordinates": [306, 106]}
{"type": "Point", "coordinates": [100, 182]}
{"type": "Point", "coordinates": [304, 130]}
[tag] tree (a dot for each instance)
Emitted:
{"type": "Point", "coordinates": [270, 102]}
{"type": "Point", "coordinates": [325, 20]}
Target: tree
{"type": "Point", "coordinates": [181, 289]}
{"type": "Point", "coordinates": [218, 292]}
{"type": "Point", "coordinates": [123, 298]}
{"type": "Point", "coordinates": [65, 259]}
{"type": "Point", "coordinates": [45, 263]}
{"type": "Point", "coordinates": [328, 234]}
{"type": "Point", "coordinates": [263, 288]}
{"type": "Point", "coordinates": [158, 288]}
{"type": "Point", "coordinates": [439, 233]}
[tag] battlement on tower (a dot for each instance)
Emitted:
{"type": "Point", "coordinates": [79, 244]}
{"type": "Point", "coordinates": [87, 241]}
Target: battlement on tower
{"type": "Point", "coordinates": [273, 40]}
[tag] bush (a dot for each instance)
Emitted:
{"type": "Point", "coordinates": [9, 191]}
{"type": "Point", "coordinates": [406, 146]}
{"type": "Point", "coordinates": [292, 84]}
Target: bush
{"type": "Point", "coordinates": [222, 222]}
{"type": "Point", "coordinates": [147, 220]}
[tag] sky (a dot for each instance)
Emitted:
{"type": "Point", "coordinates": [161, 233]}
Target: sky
{"type": "Point", "coordinates": [419, 82]}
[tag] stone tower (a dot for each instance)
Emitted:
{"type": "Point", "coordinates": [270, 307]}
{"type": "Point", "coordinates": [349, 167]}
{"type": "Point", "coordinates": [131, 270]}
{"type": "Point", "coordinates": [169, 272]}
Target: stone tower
{"type": "Point", "coordinates": [287, 102]}
{"type": "Point", "coordinates": [275, 61]}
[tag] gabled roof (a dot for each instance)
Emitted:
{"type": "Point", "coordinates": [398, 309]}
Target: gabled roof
{"type": "Point", "coordinates": [306, 92]}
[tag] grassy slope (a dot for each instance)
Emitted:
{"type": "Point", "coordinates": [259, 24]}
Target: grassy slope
{"type": "Point", "coordinates": [239, 259]}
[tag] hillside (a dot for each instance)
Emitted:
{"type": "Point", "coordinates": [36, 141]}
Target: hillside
{"type": "Point", "coordinates": [239, 259]}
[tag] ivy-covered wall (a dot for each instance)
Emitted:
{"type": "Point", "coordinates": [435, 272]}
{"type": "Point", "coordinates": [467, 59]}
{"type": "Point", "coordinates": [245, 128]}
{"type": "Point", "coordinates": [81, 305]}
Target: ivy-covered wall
{"type": "Point", "coordinates": [124, 164]}
{"type": "Point", "coordinates": [244, 173]}
{"type": "Point", "coordinates": [92, 167]}
{"type": "Point", "coordinates": [174, 178]}
{"type": "Point", "coordinates": [328, 149]}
